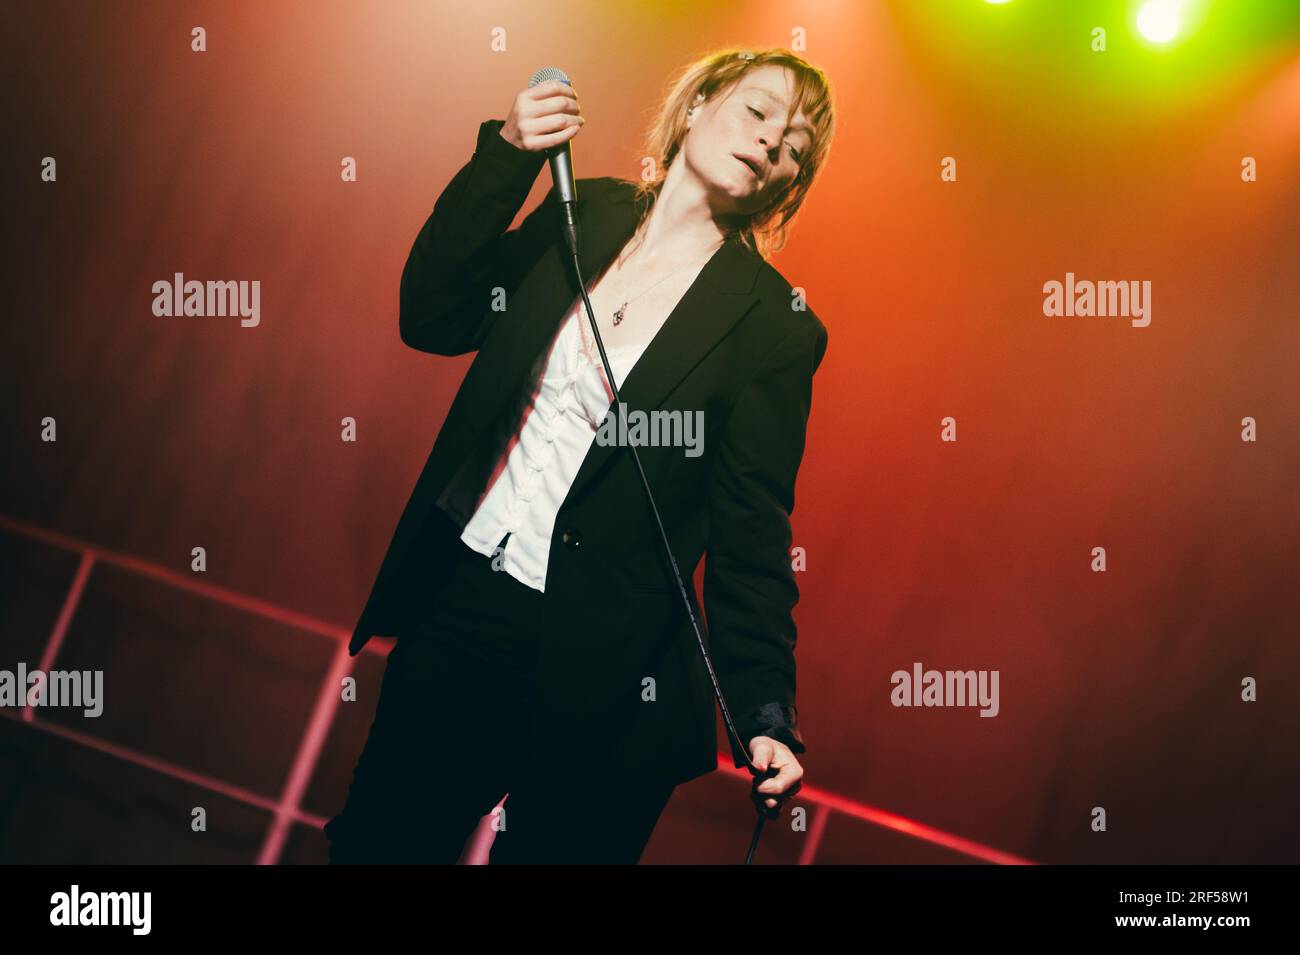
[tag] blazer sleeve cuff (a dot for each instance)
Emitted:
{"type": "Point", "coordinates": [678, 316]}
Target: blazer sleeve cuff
{"type": "Point", "coordinates": [776, 720]}
{"type": "Point", "coordinates": [512, 170]}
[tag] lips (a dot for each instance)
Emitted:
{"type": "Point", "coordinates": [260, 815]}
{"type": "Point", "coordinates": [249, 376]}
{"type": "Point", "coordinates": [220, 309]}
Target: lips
{"type": "Point", "coordinates": [750, 164]}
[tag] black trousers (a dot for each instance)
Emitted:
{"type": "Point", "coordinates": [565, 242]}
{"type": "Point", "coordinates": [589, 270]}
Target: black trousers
{"type": "Point", "coordinates": [451, 725]}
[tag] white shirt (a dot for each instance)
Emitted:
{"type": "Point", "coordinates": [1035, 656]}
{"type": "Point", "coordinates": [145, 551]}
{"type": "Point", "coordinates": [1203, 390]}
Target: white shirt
{"type": "Point", "coordinates": [547, 449]}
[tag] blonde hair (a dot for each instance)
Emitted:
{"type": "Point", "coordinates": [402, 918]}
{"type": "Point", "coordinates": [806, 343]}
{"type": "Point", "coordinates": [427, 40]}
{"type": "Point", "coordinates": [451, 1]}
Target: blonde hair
{"type": "Point", "coordinates": [766, 230]}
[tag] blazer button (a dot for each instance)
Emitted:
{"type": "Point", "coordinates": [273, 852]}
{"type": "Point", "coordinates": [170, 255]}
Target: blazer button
{"type": "Point", "coordinates": [570, 537]}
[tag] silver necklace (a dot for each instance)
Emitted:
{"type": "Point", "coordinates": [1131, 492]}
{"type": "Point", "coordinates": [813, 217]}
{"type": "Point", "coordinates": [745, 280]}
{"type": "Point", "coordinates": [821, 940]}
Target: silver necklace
{"type": "Point", "coordinates": [622, 309]}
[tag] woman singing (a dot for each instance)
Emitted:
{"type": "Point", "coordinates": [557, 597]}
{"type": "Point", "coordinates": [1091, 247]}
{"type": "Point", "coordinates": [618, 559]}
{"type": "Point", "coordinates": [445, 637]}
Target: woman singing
{"type": "Point", "coordinates": [543, 648]}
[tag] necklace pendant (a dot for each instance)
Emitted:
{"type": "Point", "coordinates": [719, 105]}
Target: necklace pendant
{"type": "Point", "coordinates": [618, 316]}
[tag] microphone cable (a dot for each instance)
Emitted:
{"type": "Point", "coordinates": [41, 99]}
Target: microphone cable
{"type": "Point", "coordinates": [758, 798]}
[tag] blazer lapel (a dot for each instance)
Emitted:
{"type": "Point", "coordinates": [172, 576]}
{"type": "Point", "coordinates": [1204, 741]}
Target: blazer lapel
{"type": "Point", "coordinates": [606, 220]}
{"type": "Point", "coordinates": [720, 296]}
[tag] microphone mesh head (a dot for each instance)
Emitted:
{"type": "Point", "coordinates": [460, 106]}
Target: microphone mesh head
{"type": "Point", "coordinates": [548, 73]}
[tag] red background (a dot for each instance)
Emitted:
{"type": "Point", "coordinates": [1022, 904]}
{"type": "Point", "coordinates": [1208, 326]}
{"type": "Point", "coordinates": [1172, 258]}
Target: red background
{"type": "Point", "coordinates": [1119, 690]}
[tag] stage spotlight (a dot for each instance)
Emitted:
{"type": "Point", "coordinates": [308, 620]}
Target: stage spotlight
{"type": "Point", "coordinates": [1160, 20]}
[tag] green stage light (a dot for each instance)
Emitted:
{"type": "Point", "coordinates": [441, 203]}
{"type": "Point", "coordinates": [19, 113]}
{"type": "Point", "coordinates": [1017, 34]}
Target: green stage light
{"type": "Point", "coordinates": [1160, 20]}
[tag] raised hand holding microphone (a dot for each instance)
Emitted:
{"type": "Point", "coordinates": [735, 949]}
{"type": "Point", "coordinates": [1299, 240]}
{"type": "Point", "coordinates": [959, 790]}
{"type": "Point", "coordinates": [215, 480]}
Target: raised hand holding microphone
{"type": "Point", "coordinates": [544, 118]}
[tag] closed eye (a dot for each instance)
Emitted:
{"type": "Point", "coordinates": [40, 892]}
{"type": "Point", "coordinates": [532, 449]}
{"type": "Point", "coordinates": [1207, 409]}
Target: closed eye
{"type": "Point", "coordinates": [793, 152]}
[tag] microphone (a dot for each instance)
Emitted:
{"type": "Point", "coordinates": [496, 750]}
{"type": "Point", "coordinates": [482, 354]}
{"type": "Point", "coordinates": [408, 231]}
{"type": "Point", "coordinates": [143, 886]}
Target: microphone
{"type": "Point", "coordinates": [561, 158]}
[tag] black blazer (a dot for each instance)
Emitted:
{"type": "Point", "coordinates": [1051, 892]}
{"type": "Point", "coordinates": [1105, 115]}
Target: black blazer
{"type": "Point", "coordinates": [734, 347]}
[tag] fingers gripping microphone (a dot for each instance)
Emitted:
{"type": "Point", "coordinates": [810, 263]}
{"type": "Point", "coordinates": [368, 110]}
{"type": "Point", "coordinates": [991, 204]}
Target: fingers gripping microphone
{"type": "Point", "coordinates": [561, 158]}
{"type": "Point", "coordinates": [562, 174]}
